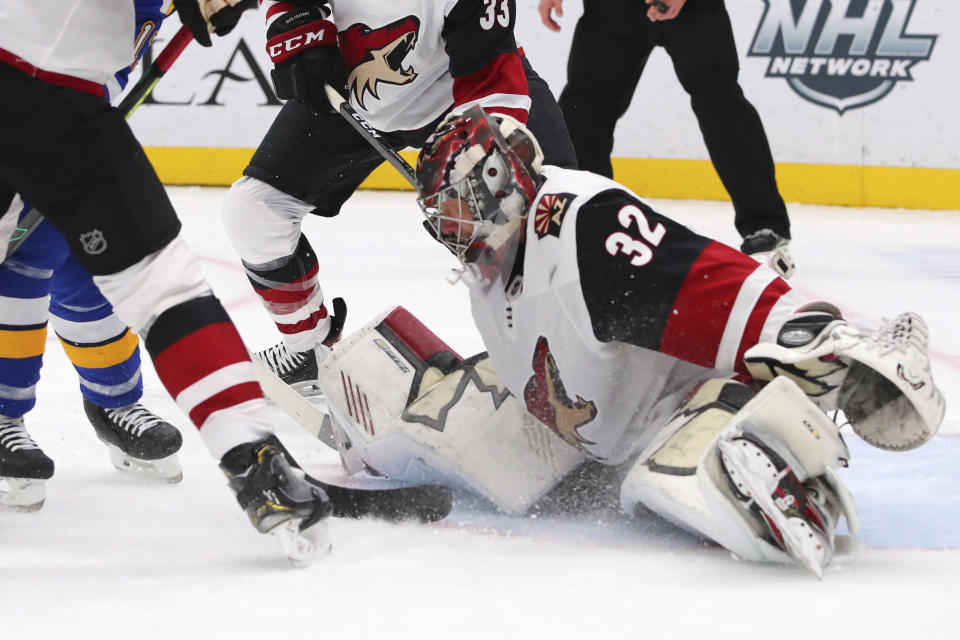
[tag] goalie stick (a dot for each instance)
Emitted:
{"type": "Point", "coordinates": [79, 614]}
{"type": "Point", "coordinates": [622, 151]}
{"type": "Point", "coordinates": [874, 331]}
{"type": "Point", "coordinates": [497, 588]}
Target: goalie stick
{"type": "Point", "coordinates": [137, 94]}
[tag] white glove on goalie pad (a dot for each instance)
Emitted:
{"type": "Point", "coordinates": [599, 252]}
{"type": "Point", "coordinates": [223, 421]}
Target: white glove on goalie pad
{"type": "Point", "coordinates": [407, 407]}
{"type": "Point", "coordinates": [712, 472]}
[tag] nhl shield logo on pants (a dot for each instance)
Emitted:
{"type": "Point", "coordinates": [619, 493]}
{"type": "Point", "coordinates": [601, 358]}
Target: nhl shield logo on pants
{"type": "Point", "coordinates": [93, 242]}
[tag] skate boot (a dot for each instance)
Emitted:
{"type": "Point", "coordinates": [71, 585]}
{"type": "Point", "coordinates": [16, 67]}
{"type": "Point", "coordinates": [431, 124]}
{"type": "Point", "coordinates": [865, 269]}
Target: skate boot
{"type": "Point", "coordinates": [297, 369]}
{"type": "Point", "coordinates": [794, 515]}
{"type": "Point", "coordinates": [24, 468]}
{"type": "Point", "coordinates": [138, 441]}
{"type": "Point", "coordinates": [766, 247]}
{"type": "Point", "coordinates": [880, 380]}
{"type": "Point", "coordinates": [279, 498]}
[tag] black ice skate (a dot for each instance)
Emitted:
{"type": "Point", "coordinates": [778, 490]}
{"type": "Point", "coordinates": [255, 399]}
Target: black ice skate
{"type": "Point", "coordinates": [24, 468]}
{"type": "Point", "coordinates": [767, 247]}
{"type": "Point", "coordinates": [279, 497]}
{"type": "Point", "coordinates": [138, 441]}
{"type": "Point", "coordinates": [298, 369]}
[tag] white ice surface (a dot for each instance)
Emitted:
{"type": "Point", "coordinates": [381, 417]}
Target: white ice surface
{"type": "Point", "coordinates": [110, 557]}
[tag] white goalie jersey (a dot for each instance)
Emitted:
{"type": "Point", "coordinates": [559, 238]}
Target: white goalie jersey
{"type": "Point", "coordinates": [606, 398]}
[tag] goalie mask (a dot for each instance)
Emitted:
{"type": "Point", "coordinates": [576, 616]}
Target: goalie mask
{"type": "Point", "coordinates": [477, 176]}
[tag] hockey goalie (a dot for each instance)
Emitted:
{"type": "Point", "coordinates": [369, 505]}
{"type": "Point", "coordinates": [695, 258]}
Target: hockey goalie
{"type": "Point", "coordinates": [617, 335]}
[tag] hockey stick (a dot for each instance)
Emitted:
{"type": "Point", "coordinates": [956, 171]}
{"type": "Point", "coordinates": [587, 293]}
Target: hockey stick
{"type": "Point", "coordinates": [426, 503]}
{"type": "Point", "coordinates": [371, 135]}
{"type": "Point", "coordinates": [151, 77]}
{"type": "Point", "coordinates": [138, 93]}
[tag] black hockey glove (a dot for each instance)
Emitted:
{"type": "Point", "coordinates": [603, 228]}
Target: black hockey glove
{"type": "Point", "coordinates": [204, 17]}
{"type": "Point", "coordinates": [303, 47]}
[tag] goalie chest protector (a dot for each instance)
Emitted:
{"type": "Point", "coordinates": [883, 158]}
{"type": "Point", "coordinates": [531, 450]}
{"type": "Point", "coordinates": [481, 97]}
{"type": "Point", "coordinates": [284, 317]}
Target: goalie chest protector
{"type": "Point", "coordinates": [607, 399]}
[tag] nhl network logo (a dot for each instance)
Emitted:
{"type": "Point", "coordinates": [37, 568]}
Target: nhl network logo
{"type": "Point", "coordinates": [840, 54]}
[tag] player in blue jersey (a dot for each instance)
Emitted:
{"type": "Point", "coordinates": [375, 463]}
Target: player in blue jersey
{"type": "Point", "coordinates": [43, 282]}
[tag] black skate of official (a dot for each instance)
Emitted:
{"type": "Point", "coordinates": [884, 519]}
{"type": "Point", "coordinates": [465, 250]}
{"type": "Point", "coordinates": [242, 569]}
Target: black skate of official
{"type": "Point", "coordinates": [768, 247]}
{"type": "Point", "coordinates": [138, 440]}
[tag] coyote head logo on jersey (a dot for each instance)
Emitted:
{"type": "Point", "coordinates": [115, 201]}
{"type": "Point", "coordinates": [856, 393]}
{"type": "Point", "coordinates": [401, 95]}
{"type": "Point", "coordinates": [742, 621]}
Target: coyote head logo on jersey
{"type": "Point", "coordinates": [546, 398]}
{"type": "Point", "coordinates": [376, 55]}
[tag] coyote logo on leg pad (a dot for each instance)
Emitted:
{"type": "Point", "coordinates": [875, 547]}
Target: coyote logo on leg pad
{"type": "Point", "coordinates": [376, 55]}
{"type": "Point", "coordinates": [546, 399]}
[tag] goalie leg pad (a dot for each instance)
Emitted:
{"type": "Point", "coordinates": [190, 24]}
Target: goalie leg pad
{"type": "Point", "coordinates": [407, 407]}
{"type": "Point", "coordinates": [694, 475]}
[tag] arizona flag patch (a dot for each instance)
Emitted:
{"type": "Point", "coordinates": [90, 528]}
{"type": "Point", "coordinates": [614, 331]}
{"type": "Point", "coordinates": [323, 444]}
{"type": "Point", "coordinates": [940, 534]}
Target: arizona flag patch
{"type": "Point", "coordinates": [550, 211]}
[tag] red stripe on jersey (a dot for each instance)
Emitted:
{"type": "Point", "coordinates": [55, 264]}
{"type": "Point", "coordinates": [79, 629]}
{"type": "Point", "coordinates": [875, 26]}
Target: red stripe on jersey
{"type": "Point", "coordinates": [751, 333]}
{"type": "Point", "coordinates": [303, 325]}
{"type": "Point", "coordinates": [225, 399]}
{"type": "Point", "coordinates": [418, 338]}
{"type": "Point", "coordinates": [503, 74]}
{"type": "Point", "coordinates": [51, 77]}
{"type": "Point", "coordinates": [198, 354]}
{"type": "Point", "coordinates": [700, 312]}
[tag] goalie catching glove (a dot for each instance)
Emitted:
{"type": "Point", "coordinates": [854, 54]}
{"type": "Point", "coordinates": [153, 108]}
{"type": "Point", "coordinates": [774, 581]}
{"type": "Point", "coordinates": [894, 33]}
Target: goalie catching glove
{"type": "Point", "coordinates": [302, 44]}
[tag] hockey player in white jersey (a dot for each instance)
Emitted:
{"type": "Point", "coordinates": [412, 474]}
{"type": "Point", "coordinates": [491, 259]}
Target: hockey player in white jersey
{"type": "Point", "coordinates": [403, 64]}
{"type": "Point", "coordinates": [637, 341]}
{"type": "Point", "coordinates": [69, 153]}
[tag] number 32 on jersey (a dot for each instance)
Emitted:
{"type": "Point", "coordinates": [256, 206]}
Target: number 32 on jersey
{"type": "Point", "coordinates": [640, 251]}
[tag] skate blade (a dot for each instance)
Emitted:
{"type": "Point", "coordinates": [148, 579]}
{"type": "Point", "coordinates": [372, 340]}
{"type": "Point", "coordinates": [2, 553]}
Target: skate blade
{"type": "Point", "coordinates": [302, 548]}
{"type": "Point", "coordinates": [164, 470]}
{"type": "Point", "coordinates": [795, 546]}
{"type": "Point", "coordinates": [22, 494]}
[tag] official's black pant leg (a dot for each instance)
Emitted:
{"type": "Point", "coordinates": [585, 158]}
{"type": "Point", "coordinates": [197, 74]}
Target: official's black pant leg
{"type": "Point", "coordinates": [546, 123]}
{"type": "Point", "coordinates": [610, 47]}
{"type": "Point", "coordinates": [704, 56]}
{"type": "Point", "coordinates": [74, 158]}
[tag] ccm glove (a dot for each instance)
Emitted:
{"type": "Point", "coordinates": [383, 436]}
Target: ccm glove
{"type": "Point", "coordinates": [303, 47]}
{"type": "Point", "coordinates": [204, 17]}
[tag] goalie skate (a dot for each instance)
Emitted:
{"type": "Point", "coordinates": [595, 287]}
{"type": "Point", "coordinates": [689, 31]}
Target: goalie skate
{"type": "Point", "coordinates": [770, 490]}
{"type": "Point", "coordinates": [881, 380]}
{"type": "Point", "coordinates": [279, 498]}
{"type": "Point", "coordinates": [24, 468]}
{"type": "Point", "coordinates": [138, 441]}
